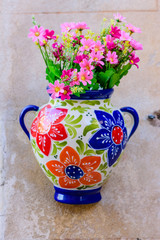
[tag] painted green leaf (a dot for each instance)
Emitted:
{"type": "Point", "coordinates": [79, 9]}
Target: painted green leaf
{"type": "Point", "coordinates": [80, 109]}
{"type": "Point", "coordinates": [60, 144]}
{"type": "Point", "coordinates": [71, 102]}
{"type": "Point", "coordinates": [69, 118]}
{"type": "Point", "coordinates": [91, 102]}
{"type": "Point", "coordinates": [107, 101]}
{"type": "Point", "coordinates": [63, 103]}
{"type": "Point", "coordinates": [81, 145]}
{"type": "Point", "coordinates": [90, 128]}
{"type": "Point", "coordinates": [104, 172]}
{"type": "Point", "coordinates": [77, 120]}
{"type": "Point", "coordinates": [40, 154]}
{"type": "Point", "coordinates": [89, 152]}
{"type": "Point", "coordinates": [52, 101]}
{"type": "Point", "coordinates": [109, 110]}
{"type": "Point", "coordinates": [100, 151]}
{"type": "Point", "coordinates": [72, 131]}
{"type": "Point", "coordinates": [54, 152]}
{"type": "Point", "coordinates": [77, 126]}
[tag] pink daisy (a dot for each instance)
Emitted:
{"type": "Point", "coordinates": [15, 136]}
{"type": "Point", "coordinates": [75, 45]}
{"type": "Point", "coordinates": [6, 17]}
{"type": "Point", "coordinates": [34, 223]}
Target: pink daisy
{"type": "Point", "coordinates": [125, 36]}
{"type": "Point", "coordinates": [98, 46]}
{"type": "Point", "coordinates": [119, 18]}
{"type": "Point", "coordinates": [79, 58]}
{"type": "Point", "coordinates": [55, 89]}
{"type": "Point", "coordinates": [136, 45]}
{"type": "Point", "coordinates": [133, 29]}
{"type": "Point", "coordinates": [66, 94]}
{"type": "Point", "coordinates": [86, 64]}
{"type": "Point", "coordinates": [134, 60]}
{"type": "Point", "coordinates": [84, 77]}
{"type": "Point", "coordinates": [67, 26]}
{"type": "Point", "coordinates": [74, 78]}
{"type": "Point", "coordinates": [80, 26]}
{"type": "Point", "coordinates": [36, 33]}
{"type": "Point", "coordinates": [115, 32]}
{"type": "Point", "coordinates": [49, 35]}
{"type": "Point", "coordinates": [96, 57]}
{"type": "Point", "coordinates": [87, 44]}
{"type": "Point", "coordinates": [112, 57]}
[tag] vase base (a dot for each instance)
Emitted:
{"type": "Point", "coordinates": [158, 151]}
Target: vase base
{"type": "Point", "coordinates": [77, 196]}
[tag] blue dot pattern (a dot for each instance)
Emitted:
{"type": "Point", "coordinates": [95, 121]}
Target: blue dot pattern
{"type": "Point", "coordinates": [74, 172]}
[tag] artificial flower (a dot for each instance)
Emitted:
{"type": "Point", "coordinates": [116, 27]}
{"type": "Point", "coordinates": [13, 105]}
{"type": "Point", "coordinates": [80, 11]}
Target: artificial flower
{"type": "Point", "coordinates": [133, 59]}
{"type": "Point", "coordinates": [115, 31]}
{"type": "Point", "coordinates": [36, 33]}
{"type": "Point", "coordinates": [112, 57]}
{"type": "Point", "coordinates": [55, 89]}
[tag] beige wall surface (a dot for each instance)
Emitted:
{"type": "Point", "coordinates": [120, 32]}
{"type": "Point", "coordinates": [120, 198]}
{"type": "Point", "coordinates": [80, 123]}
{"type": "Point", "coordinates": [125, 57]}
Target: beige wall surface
{"type": "Point", "coordinates": [130, 206]}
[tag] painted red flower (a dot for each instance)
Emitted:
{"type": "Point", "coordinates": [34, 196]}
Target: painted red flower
{"type": "Point", "coordinates": [72, 171]}
{"type": "Point", "coordinates": [47, 126]}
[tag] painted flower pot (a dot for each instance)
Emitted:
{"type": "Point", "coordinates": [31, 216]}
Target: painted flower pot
{"type": "Point", "coordinates": [78, 142]}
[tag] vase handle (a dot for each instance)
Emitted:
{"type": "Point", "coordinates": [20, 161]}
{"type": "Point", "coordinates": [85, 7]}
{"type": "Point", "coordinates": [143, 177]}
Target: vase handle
{"type": "Point", "coordinates": [22, 115]}
{"type": "Point", "coordinates": [134, 119]}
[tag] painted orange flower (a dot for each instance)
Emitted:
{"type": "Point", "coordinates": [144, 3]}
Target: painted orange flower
{"type": "Point", "coordinates": [73, 171]}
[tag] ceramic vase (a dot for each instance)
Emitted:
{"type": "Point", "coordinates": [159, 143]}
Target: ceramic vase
{"type": "Point", "coordinates": [78, 142]}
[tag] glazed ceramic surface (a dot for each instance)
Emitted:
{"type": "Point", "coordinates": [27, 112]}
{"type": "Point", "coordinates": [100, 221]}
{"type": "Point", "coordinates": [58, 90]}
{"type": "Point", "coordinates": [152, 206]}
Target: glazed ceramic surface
{"type": "Point", "coordinates": [78, 142]}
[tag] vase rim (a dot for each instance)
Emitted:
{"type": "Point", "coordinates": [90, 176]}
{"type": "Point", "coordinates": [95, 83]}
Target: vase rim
{"type": "Point", "coordinates": [95, 94]}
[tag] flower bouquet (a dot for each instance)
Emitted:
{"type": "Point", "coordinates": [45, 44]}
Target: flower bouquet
{"type": "Point", "coordinates": [78, 136]}
{"type": "Point", "coordinates": [86, 61]}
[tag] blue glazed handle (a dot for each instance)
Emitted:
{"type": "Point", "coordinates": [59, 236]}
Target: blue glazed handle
{"type": "Point", "coordinates": [133, 113]}
{"type": "Point", "coordinates": [22, 115]}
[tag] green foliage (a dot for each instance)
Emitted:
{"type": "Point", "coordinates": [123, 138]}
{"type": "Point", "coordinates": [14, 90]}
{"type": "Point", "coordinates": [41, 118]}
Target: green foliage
{"type": "Point", "coordinates": [80, 109]}
{"type": "Point", "coordinates": [114, 80]}
{"type": "Point", "coordinates": [50, 175]}
{"type": "Point", "coordinates": [104, 77]}
{"type": "Point", "coordinates": [91, 102]}
{"type": "Point", "coordinates": [80, 148]}
{"type": "Point", "coordinates": [36, 148]}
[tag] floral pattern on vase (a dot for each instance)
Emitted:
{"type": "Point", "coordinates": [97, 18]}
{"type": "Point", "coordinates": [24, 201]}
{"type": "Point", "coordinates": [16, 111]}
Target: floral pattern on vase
{"type": "Point", "coordinates": [46, 127]}
{"type": "Point", "coordinates": [73, 171]}
{"type": "Point", "coordinates": [112, 136]}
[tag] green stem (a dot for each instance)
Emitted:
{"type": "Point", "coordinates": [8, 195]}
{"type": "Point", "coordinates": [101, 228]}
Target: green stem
{"type": "Point", "coordinates": [42, 54]}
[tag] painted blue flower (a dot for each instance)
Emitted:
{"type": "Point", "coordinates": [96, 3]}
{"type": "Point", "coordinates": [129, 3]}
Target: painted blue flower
{"type": "Point", "coordinates": [112, 135]}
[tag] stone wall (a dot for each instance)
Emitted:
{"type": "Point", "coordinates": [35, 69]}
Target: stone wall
{"type": "Point", "coordinates": [130, 200]}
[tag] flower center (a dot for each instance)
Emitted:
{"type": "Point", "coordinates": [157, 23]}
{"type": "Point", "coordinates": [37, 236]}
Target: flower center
{"type": "Point", "coordinates": [65, 92]}
{"type": "Point", "coordinates": [88, 67]}
{"type": "Point", "coordinates": [37, 34]}
{"type": "Point", "coordinates": [82, 77]}
{"type": "Point", "coordinates": [74, 172]}
{"type": "Point", "coordinates": [96, 49]}
{"type": "Point", "coordinates": [57, 89]}
{"type": "Point", "coordinates": [132, 61]}
{"type": "Point", "coordinates": [44, 125]}
{"type": "Point", "coordinates": [117, 135]}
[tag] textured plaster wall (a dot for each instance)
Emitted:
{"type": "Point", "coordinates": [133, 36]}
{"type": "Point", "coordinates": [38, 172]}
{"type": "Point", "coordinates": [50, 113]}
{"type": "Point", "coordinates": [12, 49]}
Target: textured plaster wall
{"type": "Point", "coordinates": [130, 206]}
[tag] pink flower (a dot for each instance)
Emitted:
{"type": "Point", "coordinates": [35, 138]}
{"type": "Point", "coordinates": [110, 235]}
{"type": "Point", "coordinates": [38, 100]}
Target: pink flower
{"type": "Point", "coordinates": [112, 57]}
{"type": "Point", "coordinates": [84, 77]}
{"type": "Point", "coordinates": [96, 57]}
{"type": "Point", "coordinates": [74, 78]}
{"type": "Point", "coordinates": [66, 75]}
{"type": "Point", "coordinates": [125, 36]}
{"type": "Point", "coordinates": [79, 58]}
{"type": "Point", "coordinates": [36, 33]}
{"type": "Point", "coordinates": [87, 44]}
{"type": "Point", "coordinates": [67, 26]}
{"type": "Point", "coordinates": [98, 46]}
{"type": "Point", "coordinates": [118, 17]}
{"type": "Point", "coordinates": [133, 29]}
{"type": "Point", "coordinates": [55, 89]}
{"type": "Point", "coordinates": [86, 64]}
{"type": "Point", "coordinates": [80, 26]}
{"type": "Point", "coordinates": [115, 32]}
{"type": "Point", "coordinates": [134, 60]}
{"type": "Point", "coordinates": [109, 38]}
{"type": "Point", "coordinates": [66, 94]}
{"type": "Point", "coordinates": [49, 35]}
{"type": "Point", "coordinates": [136, 45]}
